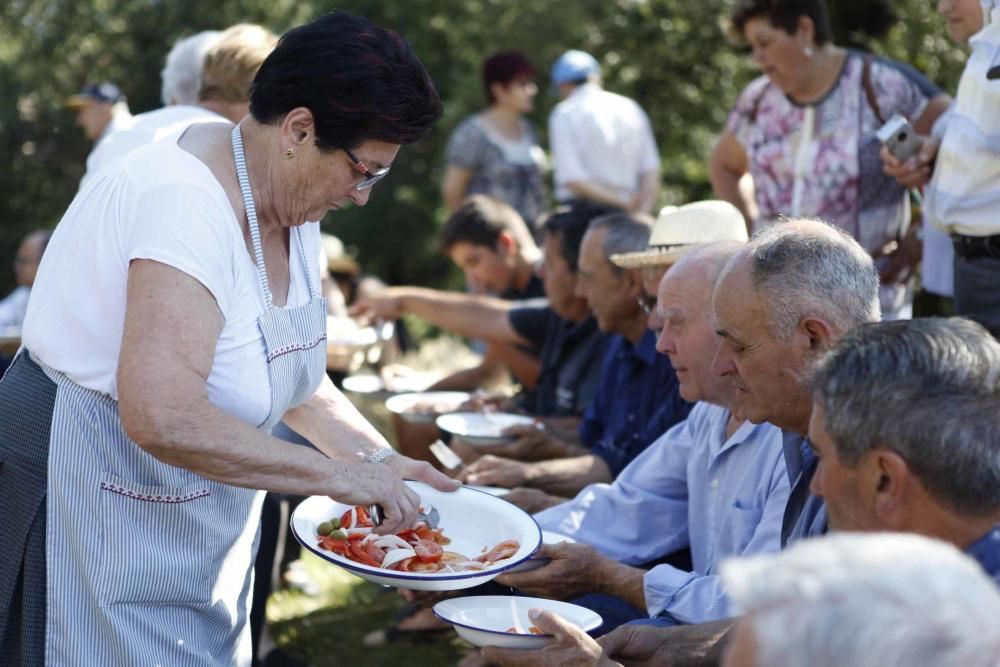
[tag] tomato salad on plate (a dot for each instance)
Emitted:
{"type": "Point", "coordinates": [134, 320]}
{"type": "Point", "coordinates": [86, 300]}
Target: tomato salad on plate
{"type": "Point", "coordinates": [418, 549]}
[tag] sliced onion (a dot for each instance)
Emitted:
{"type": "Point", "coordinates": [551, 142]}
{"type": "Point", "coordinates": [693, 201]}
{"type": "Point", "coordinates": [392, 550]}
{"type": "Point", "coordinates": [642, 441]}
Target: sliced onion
{"type": "Point", "coordinates": [388, 541]}
{"type": "Point", "coordinates": [396, 555]}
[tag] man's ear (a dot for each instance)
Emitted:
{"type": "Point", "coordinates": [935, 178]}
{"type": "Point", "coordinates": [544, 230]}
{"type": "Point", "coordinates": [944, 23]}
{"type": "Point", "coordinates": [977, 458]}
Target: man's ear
{"type": "Point", "coordinates": [890, 477]}
{"type": "Point", "coordinates": [818, 333]}
{"type": "Point", "coordinates": [506, 244]}
{"type": "Point", "coordinates": [633, 282]}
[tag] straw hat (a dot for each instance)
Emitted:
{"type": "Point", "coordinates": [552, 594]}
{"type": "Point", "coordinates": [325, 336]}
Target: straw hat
{"type": "Point", "coordinates": [678, 230]}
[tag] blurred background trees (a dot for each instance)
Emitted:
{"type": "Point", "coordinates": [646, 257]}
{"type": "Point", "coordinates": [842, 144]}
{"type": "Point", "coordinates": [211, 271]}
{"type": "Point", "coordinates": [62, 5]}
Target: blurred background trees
{"type": "Point", "coordinates": [670, 55]}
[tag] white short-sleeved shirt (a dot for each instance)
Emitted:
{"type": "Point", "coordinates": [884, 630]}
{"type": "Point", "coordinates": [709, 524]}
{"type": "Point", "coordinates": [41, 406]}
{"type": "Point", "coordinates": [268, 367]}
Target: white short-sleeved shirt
{"type": "Point", "coordinates": [160, 203]}
{"type": "Point", "coordinates": [145, 129]}
{"type": "Point", "coordinates": [600, 137]}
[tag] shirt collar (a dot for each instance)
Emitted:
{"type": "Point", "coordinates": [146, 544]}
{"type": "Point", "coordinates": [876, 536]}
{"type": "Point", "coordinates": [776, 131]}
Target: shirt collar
{"type": "Point", "coordinates": [986, 550]}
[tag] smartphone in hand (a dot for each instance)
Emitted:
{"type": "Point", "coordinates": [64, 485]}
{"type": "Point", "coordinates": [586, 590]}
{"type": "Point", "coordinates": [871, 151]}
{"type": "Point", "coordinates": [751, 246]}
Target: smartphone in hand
{"type": "Point", "coordinates": [899, 137]}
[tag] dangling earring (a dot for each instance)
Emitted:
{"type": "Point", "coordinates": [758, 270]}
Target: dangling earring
{"type": "Point", "coordinates": [808, 51]}
{"type": "Point", "coordinates": [290, 153]}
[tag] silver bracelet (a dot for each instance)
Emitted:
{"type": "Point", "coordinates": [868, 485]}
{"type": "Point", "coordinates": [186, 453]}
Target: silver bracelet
{"type": "Point", "coordinates": [380, 455]}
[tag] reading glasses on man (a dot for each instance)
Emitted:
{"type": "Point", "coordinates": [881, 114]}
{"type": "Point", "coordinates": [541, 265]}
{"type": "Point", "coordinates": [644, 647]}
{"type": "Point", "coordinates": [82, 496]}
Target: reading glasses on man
{"type": "Point", "coordinates": [370, 177]}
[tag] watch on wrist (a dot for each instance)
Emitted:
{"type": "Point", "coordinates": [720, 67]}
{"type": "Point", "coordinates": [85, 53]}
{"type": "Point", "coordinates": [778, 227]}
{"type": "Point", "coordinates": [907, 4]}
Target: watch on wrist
{"type": "Point", "coordinates": [380, 455]}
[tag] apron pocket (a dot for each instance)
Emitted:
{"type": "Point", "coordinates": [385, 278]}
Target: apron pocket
{"type": "Point", "coordinates": [152, 546]}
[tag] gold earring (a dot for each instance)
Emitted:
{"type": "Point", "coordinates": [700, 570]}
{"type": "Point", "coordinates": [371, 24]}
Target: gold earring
{"type": "Point", "coordinates": [290, 153]}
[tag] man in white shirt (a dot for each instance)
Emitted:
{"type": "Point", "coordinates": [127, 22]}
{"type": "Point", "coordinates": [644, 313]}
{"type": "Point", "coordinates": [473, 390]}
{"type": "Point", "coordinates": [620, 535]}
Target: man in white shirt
{"type": "Point", "coordinates": [206, 79]}
{"type": "Point", "coordinates": [962, 161]}
{"type": "Point", "coordinates": [602, 143]}
{"type": "Point", "coordinates": [29, 255]}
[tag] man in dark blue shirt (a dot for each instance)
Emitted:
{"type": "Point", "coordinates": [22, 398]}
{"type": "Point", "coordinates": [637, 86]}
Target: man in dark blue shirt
{"type": "Point", "coordinates": [638, 396]}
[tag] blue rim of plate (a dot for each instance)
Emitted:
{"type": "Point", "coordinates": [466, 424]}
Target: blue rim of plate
{"type": "Point", "coordinates": [406, 576]}
{"type": "Point", "coordinates": [600, 621]}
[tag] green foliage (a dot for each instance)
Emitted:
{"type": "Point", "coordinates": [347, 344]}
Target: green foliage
{"type": "Point", "coordinates": [670, 55]}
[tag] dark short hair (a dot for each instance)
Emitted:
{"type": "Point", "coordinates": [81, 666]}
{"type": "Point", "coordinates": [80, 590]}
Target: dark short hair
{"type": "Point", "coordinates": [360, 82]}
{"type": "Point", "coordinates": [503, 68]}
{"type": "Point", "coordinates": [783, 14]}
{"type": "Point", "coordinates": [480, 220]}
{"type": "Point", "coordinates": [569, 224]}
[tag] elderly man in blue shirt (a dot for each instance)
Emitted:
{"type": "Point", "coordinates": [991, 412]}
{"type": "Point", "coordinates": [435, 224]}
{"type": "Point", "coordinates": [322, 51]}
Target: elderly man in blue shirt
{"type": "Point", "coordinates": [638, 398]}
{"type": "Point", "coordinates": [715, 483]}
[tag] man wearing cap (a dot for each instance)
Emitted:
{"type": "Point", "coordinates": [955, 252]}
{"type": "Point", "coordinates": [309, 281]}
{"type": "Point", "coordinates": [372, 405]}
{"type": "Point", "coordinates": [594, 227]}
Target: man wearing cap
{"type": "Point", "coordinates": [100, 109]}
{"type": "Point", "coordinates": [602, 143]}
{"type": "Point", "coordinates": [206, 79]}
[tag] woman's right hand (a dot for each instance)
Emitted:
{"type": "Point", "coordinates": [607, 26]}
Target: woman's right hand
{"type": "Point", "coordinates": [378, 484]}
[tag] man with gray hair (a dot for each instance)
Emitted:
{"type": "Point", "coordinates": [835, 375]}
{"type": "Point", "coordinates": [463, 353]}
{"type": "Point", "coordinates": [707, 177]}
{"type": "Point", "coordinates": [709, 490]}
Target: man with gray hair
{"type": "Point", "coordinates": [638, 396]}
{"type": "Point", "coordinates": [797, 288]}
{"type": "Point", "coordinates": [912, 465]}
{"type": "Point", "coordinates": [854, 600]}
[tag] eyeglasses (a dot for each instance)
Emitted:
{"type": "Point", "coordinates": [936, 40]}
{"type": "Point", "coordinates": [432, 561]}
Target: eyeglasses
{"type": "Point", "coordinates": [371, 178]}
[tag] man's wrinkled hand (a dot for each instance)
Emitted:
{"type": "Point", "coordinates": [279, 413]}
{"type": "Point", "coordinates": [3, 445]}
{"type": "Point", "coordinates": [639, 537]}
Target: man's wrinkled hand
{"type": "Point", "coordinates": [532, 443]}
{"type": "Point", "coordinates": [570, 647]}
{"type": "Point", "coordinates": [495, 471]}
{"type": "Point", "coordinates": [573, 570]}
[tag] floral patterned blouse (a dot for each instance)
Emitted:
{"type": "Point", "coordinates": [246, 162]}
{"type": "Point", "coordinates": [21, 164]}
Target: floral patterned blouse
{"type": "Point", "coordinates": [839, 169]}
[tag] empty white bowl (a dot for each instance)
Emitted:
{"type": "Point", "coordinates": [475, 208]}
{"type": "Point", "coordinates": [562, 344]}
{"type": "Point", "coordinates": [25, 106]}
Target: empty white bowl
{"type": "Point", "coordinates": [473, 520]}
{"type": "Point", "coordinates": [479, 429]}
{"type": "Point", "coordinates": [425, 406]}
{"type": "Point", "coordinates": [483, 620]}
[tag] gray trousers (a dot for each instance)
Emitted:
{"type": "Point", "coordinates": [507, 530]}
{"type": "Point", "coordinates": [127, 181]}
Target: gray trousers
{"type": "Point", "coordinates": [977, 291]}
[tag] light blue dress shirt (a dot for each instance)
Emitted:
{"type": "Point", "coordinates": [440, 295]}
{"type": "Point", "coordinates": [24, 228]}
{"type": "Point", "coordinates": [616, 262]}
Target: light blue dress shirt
{"type": "Point", "coordinates": [691, 488]}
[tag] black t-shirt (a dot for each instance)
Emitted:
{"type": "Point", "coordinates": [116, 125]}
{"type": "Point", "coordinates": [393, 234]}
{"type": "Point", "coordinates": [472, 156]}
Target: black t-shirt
{"type": "Point", "coordinates": [571, 355]}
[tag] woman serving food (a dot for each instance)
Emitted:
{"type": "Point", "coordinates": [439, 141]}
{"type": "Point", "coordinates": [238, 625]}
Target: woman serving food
{"type": "Point", "coordinates": [176, 319]}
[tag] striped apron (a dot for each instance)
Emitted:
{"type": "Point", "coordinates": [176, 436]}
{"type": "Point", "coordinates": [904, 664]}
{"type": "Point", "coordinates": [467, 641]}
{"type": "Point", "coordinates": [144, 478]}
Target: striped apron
{"type": "Point", "coordinates": [107, 555]}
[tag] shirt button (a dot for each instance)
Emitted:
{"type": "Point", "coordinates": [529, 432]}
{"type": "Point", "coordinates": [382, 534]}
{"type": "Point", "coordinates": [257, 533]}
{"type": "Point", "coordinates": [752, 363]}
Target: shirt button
{"type": "Point", "coordinates": [714, 484]}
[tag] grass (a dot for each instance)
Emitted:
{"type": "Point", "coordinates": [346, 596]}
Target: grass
{"type": "Point", "coordinates": [330, 629]}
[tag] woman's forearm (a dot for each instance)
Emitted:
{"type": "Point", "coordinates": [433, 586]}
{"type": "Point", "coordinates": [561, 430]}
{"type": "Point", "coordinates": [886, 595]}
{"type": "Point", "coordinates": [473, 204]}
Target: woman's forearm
{"type": "Point", "coordinates": [332, 423]}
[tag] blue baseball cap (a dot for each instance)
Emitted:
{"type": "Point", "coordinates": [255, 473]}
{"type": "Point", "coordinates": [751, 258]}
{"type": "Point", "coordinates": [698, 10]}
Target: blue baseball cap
{"type": "Point", "coordinates": [574, 66]}
{"type": "Point", "coordinates": [105, 91]}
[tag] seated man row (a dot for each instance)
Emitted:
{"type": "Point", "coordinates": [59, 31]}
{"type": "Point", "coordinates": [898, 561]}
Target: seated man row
{"type": "Point", "coordinates": [793, 312]}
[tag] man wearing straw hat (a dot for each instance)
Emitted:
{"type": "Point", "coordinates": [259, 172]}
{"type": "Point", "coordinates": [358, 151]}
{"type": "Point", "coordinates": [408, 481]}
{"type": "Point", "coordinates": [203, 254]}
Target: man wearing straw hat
{"type": "Point", "coordinates": [676, 232]}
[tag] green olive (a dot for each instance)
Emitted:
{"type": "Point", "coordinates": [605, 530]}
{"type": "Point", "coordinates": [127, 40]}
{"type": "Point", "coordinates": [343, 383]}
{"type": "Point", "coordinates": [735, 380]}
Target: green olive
{"type": "Point", "coordinates": [326, 528]}
{"type": "Point", "coordinates": [338, 535]}
{"type": "Point", "coordinates": [335, 522]}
